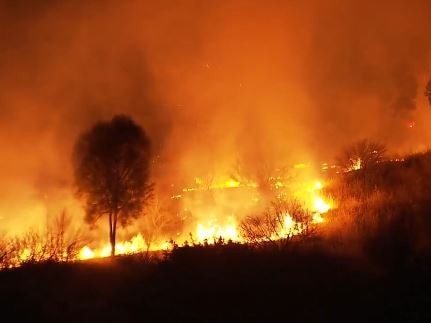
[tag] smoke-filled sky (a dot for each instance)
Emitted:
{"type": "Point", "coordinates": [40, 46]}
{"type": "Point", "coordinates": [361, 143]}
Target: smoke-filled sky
{"type": "Point", "coordinates": [212, 82]}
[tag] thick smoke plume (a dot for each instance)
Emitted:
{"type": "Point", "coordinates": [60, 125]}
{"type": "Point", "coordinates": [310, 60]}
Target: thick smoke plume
{"type": "Point", "coordinates": [213, 83]}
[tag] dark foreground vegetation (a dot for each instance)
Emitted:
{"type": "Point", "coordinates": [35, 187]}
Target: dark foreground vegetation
{"type": "Point", "coordinates": [229, 283]}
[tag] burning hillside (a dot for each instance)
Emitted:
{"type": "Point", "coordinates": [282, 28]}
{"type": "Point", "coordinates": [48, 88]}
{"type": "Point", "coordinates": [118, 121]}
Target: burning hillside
{"type": "Point", "coordinates": [204, 213]}
{"type": "Point", "coordinates": [224, 95]}
{"type": "Point", "coordinates": [243, 157]}
{"type": "Point", "coordinates": [212, 212]}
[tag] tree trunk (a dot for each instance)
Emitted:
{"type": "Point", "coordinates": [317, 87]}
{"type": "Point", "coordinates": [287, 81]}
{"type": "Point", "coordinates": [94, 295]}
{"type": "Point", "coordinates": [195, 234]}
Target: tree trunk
{"type": "Point", "coordinates": [112, 234]}
{"type": "Point", "coordinates": [113, 245]}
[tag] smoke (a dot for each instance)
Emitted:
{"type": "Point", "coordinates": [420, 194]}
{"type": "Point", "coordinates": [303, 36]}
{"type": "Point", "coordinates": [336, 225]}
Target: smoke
{"type": "Point", "coordinates": [212, 82]}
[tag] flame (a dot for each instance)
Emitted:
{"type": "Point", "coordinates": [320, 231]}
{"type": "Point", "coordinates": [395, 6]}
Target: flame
{"type": "Point", "coordinates": [213, 231]}
{"type": "Point", "coordinates": [290, 227]}
{"type": "Point", "coordinates": [86, 253]}
{"type": "Point", "coordinates": [135, 245]}
{"type": "Point", "coordinates": [317, 218]}
{"type": "Point", "coordinates": [320, 205]}
{"type": "Point", "coordinates": [356, 164]}
{"type": "Point", "coordinates": [226, 183]}
{"type": "Point", "coordinates": [25, 255]}
{"type": "Point", "coordinates": [318, 185]}
{"type": "Point", "coordinates": [232, 183]}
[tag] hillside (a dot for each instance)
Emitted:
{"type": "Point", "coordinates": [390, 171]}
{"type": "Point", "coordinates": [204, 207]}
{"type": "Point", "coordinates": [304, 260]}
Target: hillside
{"type": "Point", "coordinates": [218, 284]}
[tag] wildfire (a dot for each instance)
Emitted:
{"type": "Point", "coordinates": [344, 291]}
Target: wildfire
{"type": "Point", "coordinates": [215, 226]}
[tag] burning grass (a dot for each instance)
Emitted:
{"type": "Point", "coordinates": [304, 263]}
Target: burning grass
{"type": "Point", "coordinates": [225, 211]}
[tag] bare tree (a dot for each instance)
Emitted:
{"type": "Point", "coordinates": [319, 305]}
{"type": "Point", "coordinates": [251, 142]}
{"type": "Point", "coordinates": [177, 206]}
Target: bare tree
{"type": "Point", "coordinates": [111, 164]}
{"type": "Point", "coordinates": [262, 227]}
{"type": "Point", "coordinates": [161, 221]}
{"type": "Point", "coordinates": [62, 240]}
{"type": "Point", "coordinates": [300, 219]}
{"type": "Point", "coordinates": [277, 224]}
{"type": "Point", "coordinates": [154, 223]}
{"type": "Point", "coordinates": [31, 247]}
{"type": "Point", "coordinates": [361, 154]}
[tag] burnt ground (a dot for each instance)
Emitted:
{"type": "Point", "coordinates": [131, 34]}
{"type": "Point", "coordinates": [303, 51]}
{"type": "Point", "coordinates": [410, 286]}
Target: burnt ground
{"type": "Point", "coordinates": [220, 284]}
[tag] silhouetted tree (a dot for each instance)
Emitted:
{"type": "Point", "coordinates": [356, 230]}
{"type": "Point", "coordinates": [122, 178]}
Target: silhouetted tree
{"type": "Point", "coordinates": [428, 91]}
{"type": "Point", "coordinates": [361, 154]}
{"type": "Point", "coordinates": [111, 165]}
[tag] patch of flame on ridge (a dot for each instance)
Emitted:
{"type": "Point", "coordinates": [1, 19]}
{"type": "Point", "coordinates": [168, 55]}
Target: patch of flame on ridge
{"type": "Point", "coordinates": [213, 230]}
{"type": "Point", "coordinates": [135, 245]}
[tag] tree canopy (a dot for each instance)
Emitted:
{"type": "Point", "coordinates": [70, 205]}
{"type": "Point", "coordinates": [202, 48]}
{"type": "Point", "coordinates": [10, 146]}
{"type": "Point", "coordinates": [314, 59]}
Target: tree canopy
{"type": "Point", "coordinates": [111, 167]}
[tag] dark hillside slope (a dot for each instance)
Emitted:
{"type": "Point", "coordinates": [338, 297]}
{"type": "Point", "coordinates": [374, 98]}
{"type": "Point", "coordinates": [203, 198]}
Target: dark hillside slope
{"type": "Point", "coordinates": [218, 284]}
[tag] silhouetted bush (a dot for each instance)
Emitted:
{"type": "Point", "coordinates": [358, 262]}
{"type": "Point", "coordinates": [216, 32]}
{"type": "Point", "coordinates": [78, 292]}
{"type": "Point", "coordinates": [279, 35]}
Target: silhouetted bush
{"type": "Point", "coordinates": [277, 224]}
{"type": "Point", "coordinates": [58, 241]}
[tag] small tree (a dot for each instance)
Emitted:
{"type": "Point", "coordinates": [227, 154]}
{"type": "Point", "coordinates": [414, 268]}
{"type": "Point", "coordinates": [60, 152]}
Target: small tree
{"type": "Point", "coordinates": [154, 223]}
{"type": "Point", "coordinates": [361, 154]}
{"type": "Point", "coordinates": [111, 166]}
